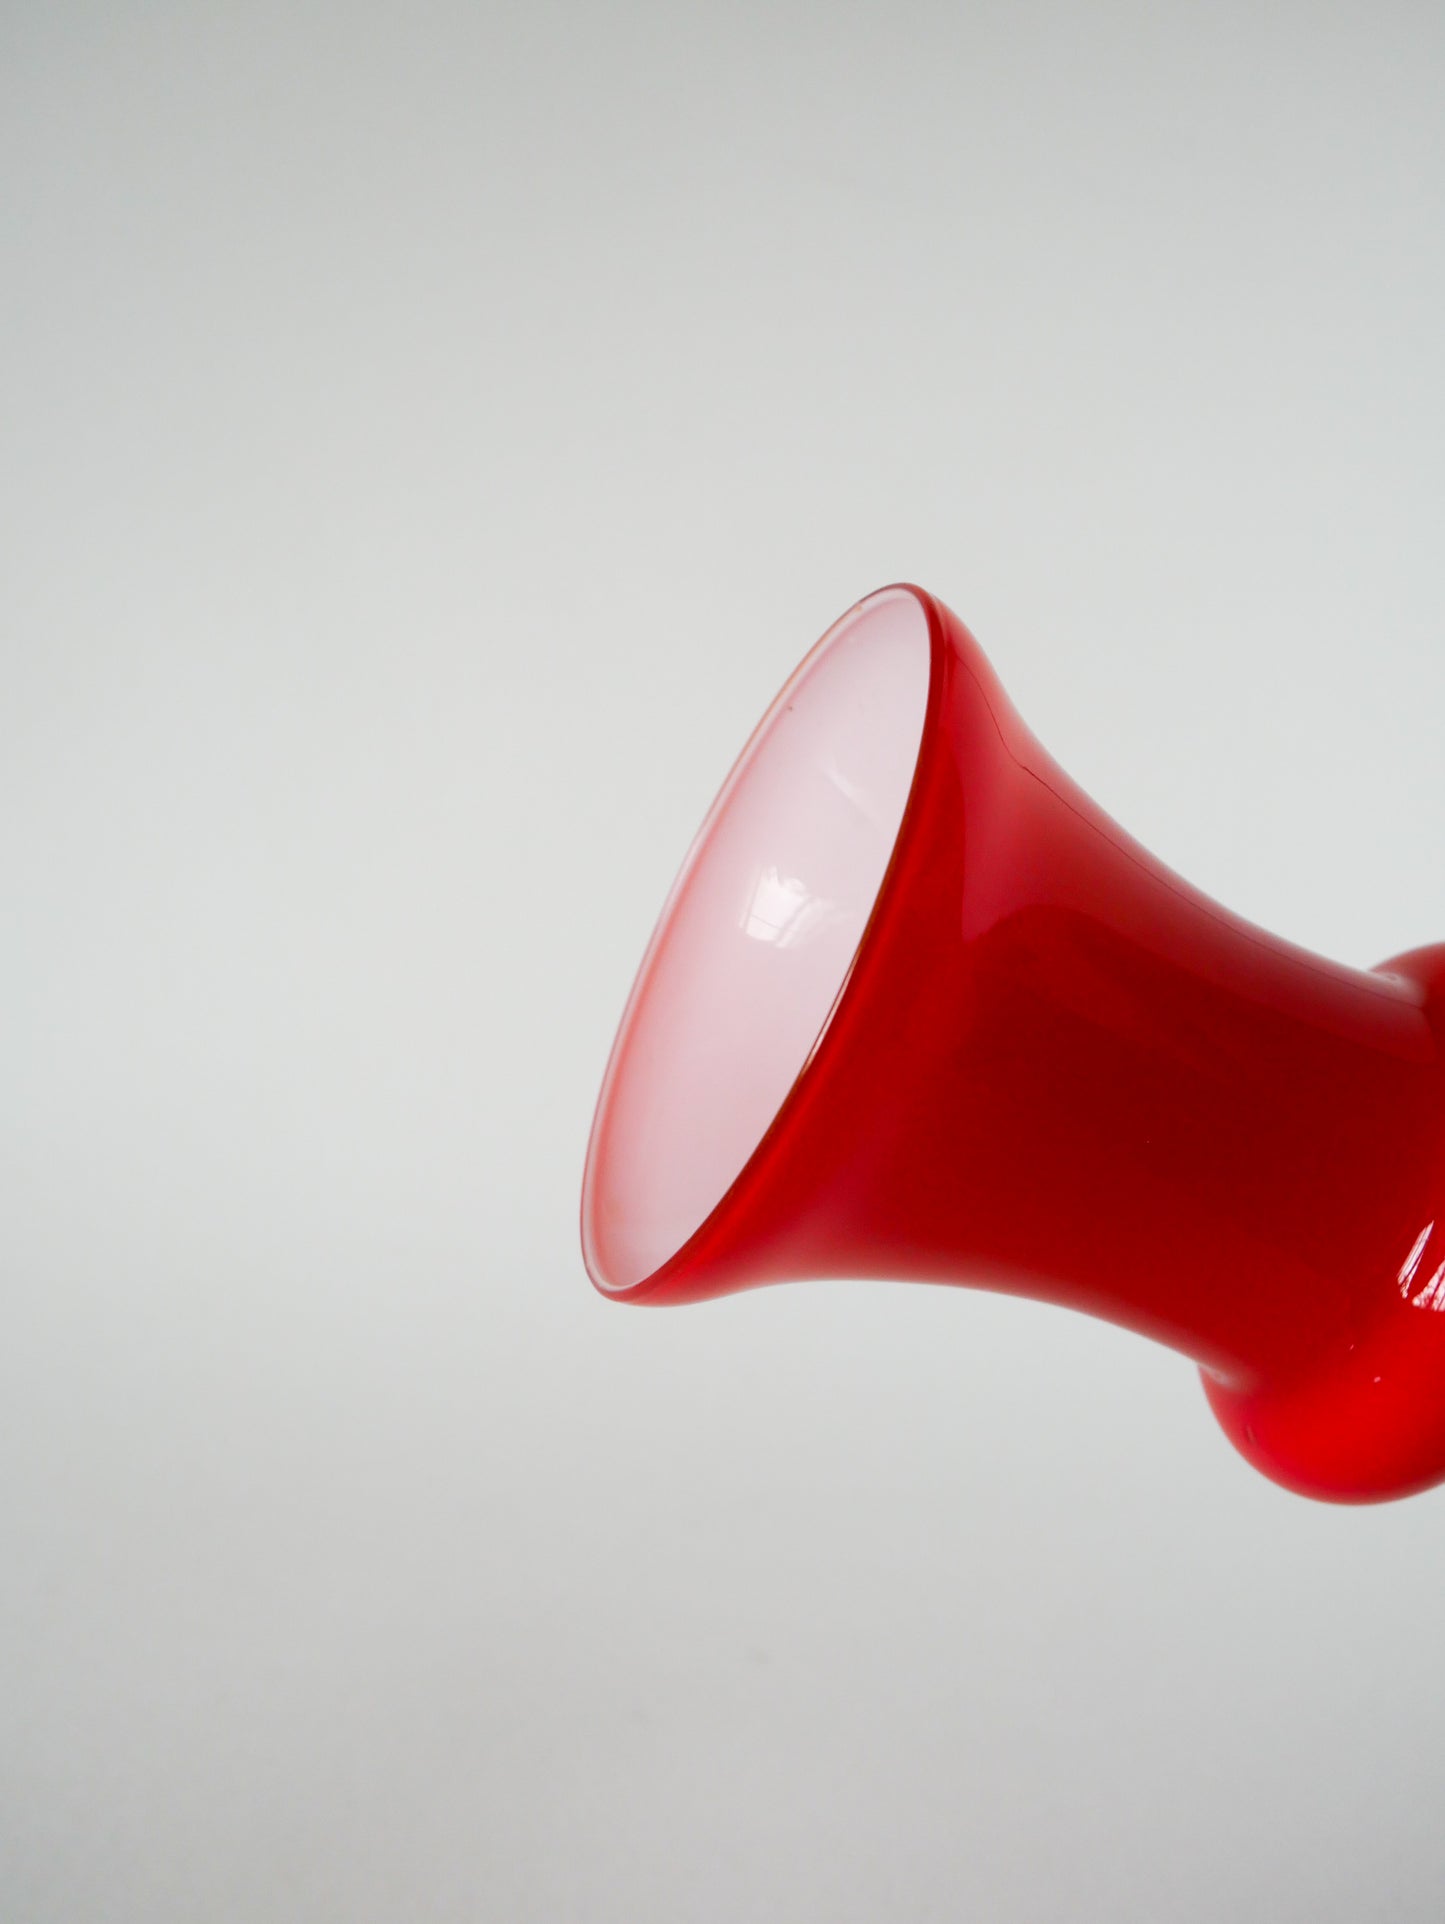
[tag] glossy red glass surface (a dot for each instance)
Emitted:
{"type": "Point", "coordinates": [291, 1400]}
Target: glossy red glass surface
{"type": "Point", "coordinates": [1056, 1069]}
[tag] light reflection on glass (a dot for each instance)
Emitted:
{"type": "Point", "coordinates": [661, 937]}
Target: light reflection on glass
{"type": "Point", "coordinates": [785, 912]}
{"type": "Point", "coordinates": [1412, 1262]}
{"type": "Point", "coordinates": [861, 799]}
{"type": "Point", "coordinates": [1430, 1295]}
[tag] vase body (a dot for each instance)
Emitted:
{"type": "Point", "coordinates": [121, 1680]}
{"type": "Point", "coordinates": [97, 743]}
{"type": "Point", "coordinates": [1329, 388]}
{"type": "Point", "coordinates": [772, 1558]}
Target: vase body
{"type": "Point", "coordinates": [1057, 1070]}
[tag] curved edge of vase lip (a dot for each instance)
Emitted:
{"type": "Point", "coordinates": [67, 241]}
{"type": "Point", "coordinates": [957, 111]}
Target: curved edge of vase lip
{"type": "Point", "coordinates": [668, 1282]}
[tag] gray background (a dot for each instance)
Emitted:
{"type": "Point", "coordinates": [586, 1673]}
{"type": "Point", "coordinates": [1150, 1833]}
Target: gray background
{"type": "Point", "coordinates": [429, 436]}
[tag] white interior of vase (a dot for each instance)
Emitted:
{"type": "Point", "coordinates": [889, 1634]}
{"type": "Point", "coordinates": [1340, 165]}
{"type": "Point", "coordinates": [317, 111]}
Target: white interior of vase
{"type": "Point", "coordinates": [756, 939]}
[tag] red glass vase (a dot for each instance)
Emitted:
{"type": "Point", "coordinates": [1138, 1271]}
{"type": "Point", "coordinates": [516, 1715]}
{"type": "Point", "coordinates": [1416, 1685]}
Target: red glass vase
{"type": "Point", "coordinates": [917, 1008]}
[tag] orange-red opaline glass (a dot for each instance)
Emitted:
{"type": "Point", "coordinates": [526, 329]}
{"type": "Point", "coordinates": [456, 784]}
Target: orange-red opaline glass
{"type": "Point", "coordinates": [1058, 1070]}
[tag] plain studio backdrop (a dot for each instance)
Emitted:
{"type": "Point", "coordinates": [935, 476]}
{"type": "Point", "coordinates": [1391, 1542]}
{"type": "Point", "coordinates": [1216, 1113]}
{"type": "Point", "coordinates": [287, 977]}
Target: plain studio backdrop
{"type": "Point", "coordinates": [430, 435]}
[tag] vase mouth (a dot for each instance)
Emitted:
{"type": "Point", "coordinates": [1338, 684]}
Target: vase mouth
{"type": "Point", "coordinates": [757, 938]}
